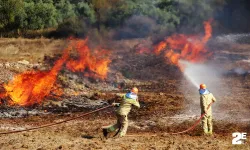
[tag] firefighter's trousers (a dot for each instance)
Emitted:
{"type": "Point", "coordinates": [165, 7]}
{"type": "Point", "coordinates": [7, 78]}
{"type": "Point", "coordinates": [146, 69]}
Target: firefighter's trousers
{"type": "Point", "coordinates": [207, 124]}
{"type": "Point", "coordinates": [122, 123]}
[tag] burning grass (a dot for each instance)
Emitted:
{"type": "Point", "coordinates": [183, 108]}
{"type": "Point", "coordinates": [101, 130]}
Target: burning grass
{"type": "Point", "coordinates": [177, 47]}
{"type": "Point", "coordinates": [91, 64]}
{"type": "Point", "coordinates": [32, 87]}
{"type": "Point", "coordinates": [158, 100]}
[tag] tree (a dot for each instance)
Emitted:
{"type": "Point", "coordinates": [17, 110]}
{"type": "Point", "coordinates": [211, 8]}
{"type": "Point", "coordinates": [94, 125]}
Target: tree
{"type": "Point", "coordinates": [11, 12]}
{"type": "Point", "coordinates": [164, 14]}
{"type": "Point", "coordinates": [155, 16]}
{"type": "Point", "coordinates": [64, 10]}
{"type": "Point", "coordinates": [193, 12]}
{"type": "Point", "coordinates": [39, 15]}
{"type": "Point", "coordinates": [101, 8]}
{"type": "Point", "coordinates": [85, 11]}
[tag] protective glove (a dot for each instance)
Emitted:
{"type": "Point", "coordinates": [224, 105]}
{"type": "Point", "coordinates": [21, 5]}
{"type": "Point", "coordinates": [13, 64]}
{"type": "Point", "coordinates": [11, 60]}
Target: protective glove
{"type": "Point", "coordinates": [116, 104]}
{"type": "Point", "coordinates": [118, 94]}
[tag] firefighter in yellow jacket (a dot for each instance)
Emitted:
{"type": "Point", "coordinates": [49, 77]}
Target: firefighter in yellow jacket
{"type": "Point", "coordinates": [122, 112]}
{"type": "Point", "coordinates": [205, 99]}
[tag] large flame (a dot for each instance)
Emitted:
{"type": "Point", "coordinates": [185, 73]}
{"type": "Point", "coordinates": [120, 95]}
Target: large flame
{"type": "Point", "coordinates": [93, 64]}
{"type": "Point", "coordinates": [189, 48]}
{"type": "Point", "coordinates": [31, 87]}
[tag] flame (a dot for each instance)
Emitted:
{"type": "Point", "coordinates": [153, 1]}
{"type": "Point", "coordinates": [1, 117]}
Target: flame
{"type": "Point", "coordinates": [143, 51]}
{"type": "Point", "coordinates": [160, 47]}
{"type": "Point", "coordinates": [190, 48]}
{"type": "Point", "coordinates": [140, 49]}
{"type": "Point", "coordinates": [92, 64]}
{"type": "Point", "coordinates": [31, 87]}
{"type": "Point", "coordinates": [75, 93]}
{"type": "Point", "coordinates": [2, 96]}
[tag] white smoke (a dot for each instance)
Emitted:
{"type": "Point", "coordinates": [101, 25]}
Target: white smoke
{"type": "Point", "coordinates": [233, 38]}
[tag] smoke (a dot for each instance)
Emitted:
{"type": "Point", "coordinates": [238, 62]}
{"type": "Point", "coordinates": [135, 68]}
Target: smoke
{"type": "Point", "coordinates": [136, 27]}
{"type": "Point", "coordinates": [234, 17]}
{"type": "Point", "coordinates": [234, 38]}
{"type": "Point", "coordinates": [238, 71]}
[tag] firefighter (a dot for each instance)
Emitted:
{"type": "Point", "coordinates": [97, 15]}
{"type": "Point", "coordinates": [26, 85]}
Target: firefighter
{"type": "Point", "coordinates": [205, 99]}
{"type": "Point", "coordinates": [122, 112]}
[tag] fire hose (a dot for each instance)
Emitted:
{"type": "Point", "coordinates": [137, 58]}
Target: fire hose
{"type": "Point", "coordinates": [190, 128]}
{"type": "Point", "coordinates": [60, 122]}
{"type": "Point", "coordinates": [195, 124]}
{"type": "Point", "coordinates": [56, 123]}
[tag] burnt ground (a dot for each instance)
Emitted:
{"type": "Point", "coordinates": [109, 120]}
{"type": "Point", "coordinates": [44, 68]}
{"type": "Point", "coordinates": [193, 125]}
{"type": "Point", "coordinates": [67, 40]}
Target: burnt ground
{"type": "Point", "coordinates": [165, 107]}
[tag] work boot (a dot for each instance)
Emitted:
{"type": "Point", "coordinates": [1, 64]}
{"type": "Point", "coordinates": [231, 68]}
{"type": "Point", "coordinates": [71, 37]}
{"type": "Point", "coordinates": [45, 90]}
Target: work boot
{"type": "Point", "coordinates": [205, 133]}
{"type": "Point", "coordinates": [210, 133]}
{"type": "Point", "coordinates": [105, 132]}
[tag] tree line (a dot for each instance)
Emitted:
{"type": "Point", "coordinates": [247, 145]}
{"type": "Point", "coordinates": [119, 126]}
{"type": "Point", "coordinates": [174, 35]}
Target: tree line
{"type": "Point", "coordinates": [76, 16]}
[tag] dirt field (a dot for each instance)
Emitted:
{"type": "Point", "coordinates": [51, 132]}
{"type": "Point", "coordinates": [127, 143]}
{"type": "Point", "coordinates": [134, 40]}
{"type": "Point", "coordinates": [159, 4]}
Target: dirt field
{"type": "Point", "coordinates": [165, 107]}
{"type": "Point", "coordinates": [86, 134]}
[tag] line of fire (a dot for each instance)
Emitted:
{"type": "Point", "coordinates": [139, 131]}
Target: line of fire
{"type": "Point", "coordinates": [116, 74]}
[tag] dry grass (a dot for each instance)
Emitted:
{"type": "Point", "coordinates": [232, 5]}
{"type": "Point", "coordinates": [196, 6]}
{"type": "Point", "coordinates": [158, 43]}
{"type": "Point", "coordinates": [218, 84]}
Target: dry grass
{"type": "Point", "coordinates": [159, 101]}
{"type": "Point", "coordinates": [34, 50]}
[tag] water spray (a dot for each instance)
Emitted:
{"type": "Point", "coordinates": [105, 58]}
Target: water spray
{"type": "Point", "coordinates": [188, 72]}
{"type": "Point", "coordinates": [201, 73]}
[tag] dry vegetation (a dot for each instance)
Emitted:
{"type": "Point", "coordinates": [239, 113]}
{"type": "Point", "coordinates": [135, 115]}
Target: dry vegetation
{"type": "Point", "coordinates": [33, 50]}
{"type": "Point", "coordinates": [161, 100]}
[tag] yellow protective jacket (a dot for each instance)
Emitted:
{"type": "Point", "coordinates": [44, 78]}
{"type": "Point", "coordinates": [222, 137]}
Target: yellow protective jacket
{"type": "Point", "coordinates": [205, 100]}
{"type": "Point", "coordinates": [126, 104]}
